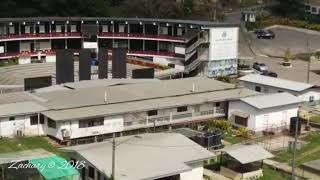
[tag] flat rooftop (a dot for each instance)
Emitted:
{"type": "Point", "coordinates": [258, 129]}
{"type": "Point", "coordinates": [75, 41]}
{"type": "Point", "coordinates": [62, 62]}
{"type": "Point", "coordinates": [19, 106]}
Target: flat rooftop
{"type": "Point", "coordinates": [147, 156]}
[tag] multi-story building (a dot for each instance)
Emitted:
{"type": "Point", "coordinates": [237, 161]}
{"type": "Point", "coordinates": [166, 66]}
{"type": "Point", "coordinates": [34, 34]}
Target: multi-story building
{"type": "Point", "coordinates": [76, 111]}
{"type": "Point", "coordinates": [312, 6]}
{"type": "Point", "coordinates": [182, 44]}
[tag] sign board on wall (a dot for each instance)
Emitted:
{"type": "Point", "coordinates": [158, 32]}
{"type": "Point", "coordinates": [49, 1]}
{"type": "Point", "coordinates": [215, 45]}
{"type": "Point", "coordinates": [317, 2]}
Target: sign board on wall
{"type": "Point", "coordinates": [1, 49]}
{"type": "Point", "coordinates": [223, 43]}
{"type": "Point", "coordinates": [90, 45]}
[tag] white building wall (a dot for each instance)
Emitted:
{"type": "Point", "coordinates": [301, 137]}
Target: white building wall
{"type": "Point", "coordinates": [262, 119]}
{"type": "Point", "coordinates": [111, 124]}
{"type": "Point", "coordinates": [275, 117]}
{"type": "Point", "coordinates": [21, 123]}
{"type": "Point", "coordinates": [195, 174]}
{"type": "Point", "coordinates": [313, 92]}
{"type": "Point", "coordinates": [24, 60]}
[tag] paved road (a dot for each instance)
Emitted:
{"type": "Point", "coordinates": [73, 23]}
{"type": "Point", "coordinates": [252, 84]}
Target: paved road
{"type": "Point", "coordinates": [296, 41]}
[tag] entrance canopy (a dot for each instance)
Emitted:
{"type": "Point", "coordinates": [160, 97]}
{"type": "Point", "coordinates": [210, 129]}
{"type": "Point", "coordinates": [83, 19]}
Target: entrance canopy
{"type": "Point", "coordinates": [247, 153]}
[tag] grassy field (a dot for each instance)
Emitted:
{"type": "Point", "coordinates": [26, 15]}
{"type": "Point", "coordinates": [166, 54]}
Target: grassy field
{"type": "Point", "coordinates": [20, 144]}
{"type": "Point", "coordinates": [315, 119]}
{"type": "Point", "coordinates": [309, 152]}
{"type": "Point", "coordinates": [232, 139]}
{"type": "Point", "coordinates": [271, 174]}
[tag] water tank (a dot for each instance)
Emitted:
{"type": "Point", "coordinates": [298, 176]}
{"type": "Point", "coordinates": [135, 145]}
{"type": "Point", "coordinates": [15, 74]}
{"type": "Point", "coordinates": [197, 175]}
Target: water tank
{"type": "Point", "coordinates": [293, 123]}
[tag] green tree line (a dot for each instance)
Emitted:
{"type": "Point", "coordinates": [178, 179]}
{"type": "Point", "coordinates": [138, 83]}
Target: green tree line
{"type": "Point", "coordinates": [189, 9]}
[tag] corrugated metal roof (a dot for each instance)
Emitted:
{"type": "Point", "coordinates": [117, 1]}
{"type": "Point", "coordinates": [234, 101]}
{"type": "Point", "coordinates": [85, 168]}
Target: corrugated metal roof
{"type": "Point", "coordinates": [148, 104]}
{"type": "Point", "coordinates": [131, 92]}
{"type": "Point", "coordinates": [20, 108]}
{"type": "Point", "coordinates": [271, 100]}
{"type": "Point", "coordinates": [147, 156]}
{"type": "Point", "coordinates": [276, 82]}
{"type": "Point", "coordinates": [247, 153]}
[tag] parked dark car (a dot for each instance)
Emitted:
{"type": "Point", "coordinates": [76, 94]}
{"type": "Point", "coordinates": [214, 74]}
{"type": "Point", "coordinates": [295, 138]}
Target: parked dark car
{"type": "Point", "coordinates": [265, 34]}
{"type": "Point", "coordinates": [270, 74]}
{"type": "Point", "coordinates": [261, 67]}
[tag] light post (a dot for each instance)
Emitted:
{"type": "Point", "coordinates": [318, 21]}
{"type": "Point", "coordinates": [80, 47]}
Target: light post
{"type": "Point", "coordinates": [114, 145]}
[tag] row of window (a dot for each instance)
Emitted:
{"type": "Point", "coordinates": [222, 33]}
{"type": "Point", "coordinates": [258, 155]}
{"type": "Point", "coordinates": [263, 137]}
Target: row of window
{"type": "Point", "coordinates": [312, 9]}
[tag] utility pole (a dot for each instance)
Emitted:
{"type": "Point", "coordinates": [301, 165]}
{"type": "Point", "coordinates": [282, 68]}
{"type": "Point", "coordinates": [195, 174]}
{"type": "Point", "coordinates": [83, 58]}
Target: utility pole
{"type": "Point", "coordinates": [113, 155]}
{"type": "Point", "coordinates": [295, 149]}
{"type": "Point", "coordinates": [309, 60]}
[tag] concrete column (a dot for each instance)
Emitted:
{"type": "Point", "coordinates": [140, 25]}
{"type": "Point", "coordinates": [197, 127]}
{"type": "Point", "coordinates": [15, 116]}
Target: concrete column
{"type": "Point", "coordinates": [128, 44]}
{"type": "Point", "coordinates": [128, 28]}
{"type": "Point", "coordinates": [158, 28]}
{"type": "Point", "coordinates": [19, 28]}
{"type": "Point", "coordinates": [144, 29]}
{"type": "Point", "coordinates": [50, 26]}
{"type": "Point", "coordinates": [66, 44]}
{"type": "Point", "coordinates": [34, 28]}
{"type": "Point", "coordinates": [158, 44]}
{"type": "Point", "coordinates": [143, 45]}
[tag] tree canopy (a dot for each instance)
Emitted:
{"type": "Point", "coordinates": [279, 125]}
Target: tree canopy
{"type": "Point", "coordinates": [190, 9]}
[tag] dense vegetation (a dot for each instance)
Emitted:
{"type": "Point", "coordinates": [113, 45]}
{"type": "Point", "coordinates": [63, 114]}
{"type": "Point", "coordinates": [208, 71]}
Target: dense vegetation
{"type": "Point", "coordinates": [197, 9]}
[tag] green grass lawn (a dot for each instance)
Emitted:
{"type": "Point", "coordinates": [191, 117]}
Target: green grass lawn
{"type": "Point", "coordinates": [309, 152]}
{"type": "Point", "coordinates": [271, 174]}
{"type": "Point", "coordinates": [29, 143]}
{"type": "Point", "coordinates": [229, 137]}
{"type": "Point", "coordinates": [315, 119]}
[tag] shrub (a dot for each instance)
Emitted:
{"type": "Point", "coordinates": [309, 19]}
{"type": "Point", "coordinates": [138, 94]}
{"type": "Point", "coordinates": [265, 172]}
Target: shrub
{"type": "Point", "coordinates": [226, 79]}
{"type": "Point", "coordinates": [244, 67]}
{"type": "Point", "coordinates": [243, 132]}
{"type": "Point", "coordinates": [287, 55]}
{"type": "Point", "coordinates": [216, 125]}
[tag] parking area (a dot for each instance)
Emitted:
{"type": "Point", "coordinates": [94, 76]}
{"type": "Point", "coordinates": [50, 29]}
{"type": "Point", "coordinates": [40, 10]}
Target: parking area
{"type": "Point", "coordinates": [294, 39]}
{"type": "Point", "coordinates": [298, 71]}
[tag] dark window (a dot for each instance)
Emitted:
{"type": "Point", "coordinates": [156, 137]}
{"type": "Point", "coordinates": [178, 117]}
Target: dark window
{"type": "Point", "coordinates": [218, 104]}
{"type": "Point", "coordinates": [280, 91]}
{"type": "Point", "coordinates": [52, 123]}
{"type": "Point", "coordinates": [258, 88]}
{"type": "Point", "coordinates": [241, 121]}
{"type": "Point", "coordinates": [182, 109]}
{"type": "Point", "coordinates": [12, 118]}
{"type": "Point", "coordinates": [308, 8]}
{"type": "Point", "coordinates": [314, 9]}
{"type": "Point", "coordinates": [311, 98]}
{"type": "Point", "coordinates": [34, 120]}
{"type": "Point", "coordinates": [91, 172]}
{"type": "Point", "coordinates": [152, 113]}
{"type": "Point", "coordinates": [41, 119]}
{"type": "Point", "coordinates": [91, 122]}
{"type": "Point", "coordinates": [98, 175]}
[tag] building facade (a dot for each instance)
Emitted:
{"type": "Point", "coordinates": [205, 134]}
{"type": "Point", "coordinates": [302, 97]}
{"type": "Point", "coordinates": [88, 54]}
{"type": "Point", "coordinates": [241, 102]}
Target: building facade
{"type": "Point", "coordinates": [181, 44]}
{"type": "Point", "coordinates": [96, 112]}
{"type": "Point", "coordinates": [312, 6]}
{"type": "Point", "coordinates": [263, 114]}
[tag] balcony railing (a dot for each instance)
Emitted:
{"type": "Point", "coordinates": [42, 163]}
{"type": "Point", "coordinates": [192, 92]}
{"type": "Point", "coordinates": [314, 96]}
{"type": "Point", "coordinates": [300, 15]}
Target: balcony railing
{"type": "Point", "coordinates": [140, 36]}
{"type": "Point", "coordinates": [174, 119]}
{"type": "Point", "coordinates": [40, 35]}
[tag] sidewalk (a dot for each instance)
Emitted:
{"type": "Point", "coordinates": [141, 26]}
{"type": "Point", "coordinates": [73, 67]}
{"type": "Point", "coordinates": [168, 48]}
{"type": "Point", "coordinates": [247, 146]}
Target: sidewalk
{"type": "Point", "coordinates": [286, 168]}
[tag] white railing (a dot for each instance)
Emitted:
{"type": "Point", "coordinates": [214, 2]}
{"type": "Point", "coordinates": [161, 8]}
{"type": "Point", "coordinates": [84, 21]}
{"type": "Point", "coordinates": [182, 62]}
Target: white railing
{"type": "Point", "coordinates": [185, 117]}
